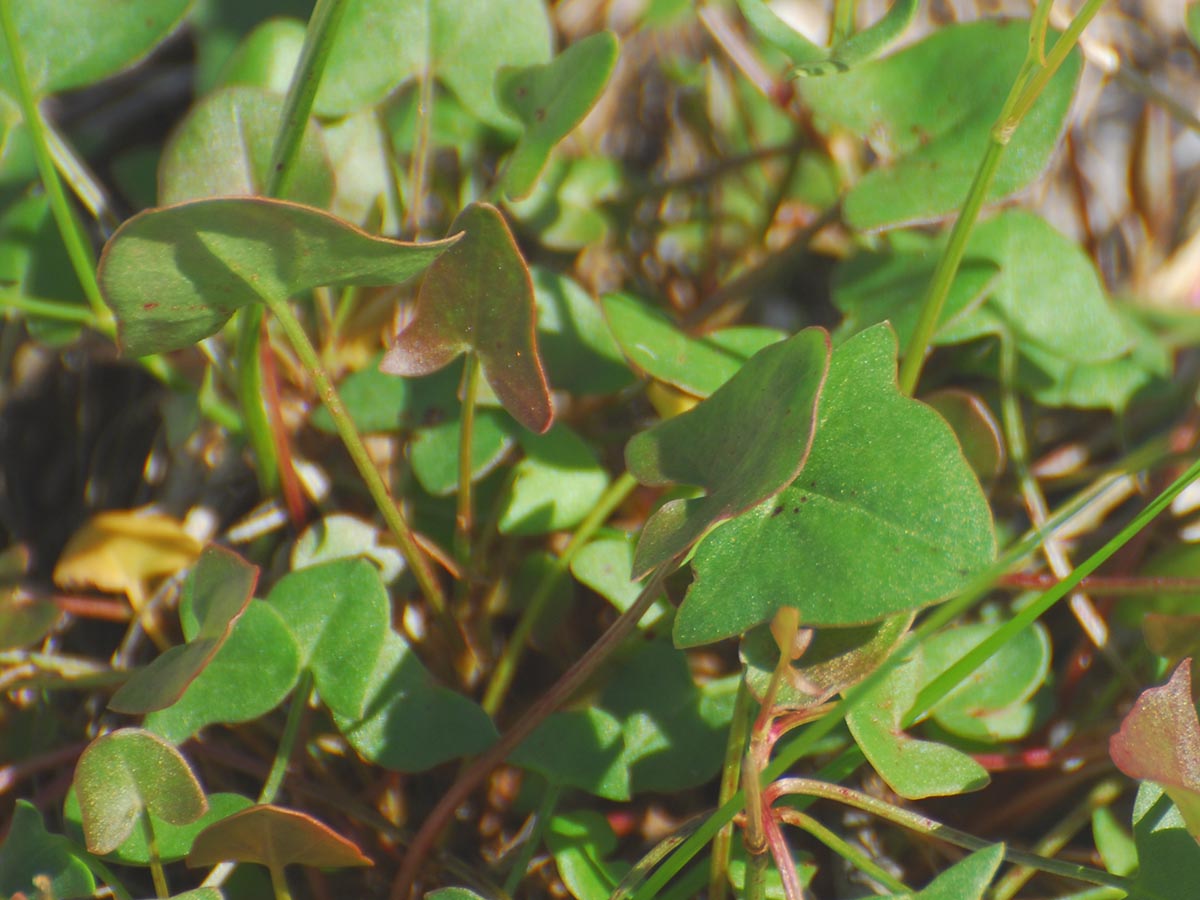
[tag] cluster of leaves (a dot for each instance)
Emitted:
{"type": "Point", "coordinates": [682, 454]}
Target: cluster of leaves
{"type": "Point", "coordinates": [547, 436]}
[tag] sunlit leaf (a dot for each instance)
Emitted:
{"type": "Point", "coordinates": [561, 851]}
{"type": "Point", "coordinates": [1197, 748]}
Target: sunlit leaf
{"type": "Point", "coordinates": [1167, 852]}
{"type": "Point", "coordinates": [128, 772]}
{"type": "Point", "coordinates": [126, 551]}
{"type": "Point", "coordinates": [220, 587]}
{"type": "Point", "coordinates": [251, 674]}
{"type": "Point", "coordinates": [174, 276]}
{"type": "Point", "coordinates": [411, 722]}
{"type": "Point", "coordinates": [266, 57]}
{"type": "Point", "coordinates": [554, 486]}
{"type": "Point", "coordinates": [478, 297]}
{"type": "Point", "coordinates": [743, 444]}
{"type": "Point", "coordinates": [383, 43]}
{"type": "Point", "coordinates": [605, 565]}
{"type": "Point", "coordinates": [1159, 741]}
{"type": "Point", "coordinates": [928, 112]}
{"type": "Point", "coordinates": [339, 614]}
{"type": "Point", "coordinates": [223, 149]}
{"type": "Point", "coordinates": [274, 837]}
{"type": "Point", "coordinates": [885, 518]}
{"type": "Point", "coordinates": [912, 768]}
{"type": "Point", "coordinates": [171, 841]}
{"type": "Point", "coordinates": [697, 365]}
{"type": "Point", "coordinates": [581, 842]}
{"type": "Point", "coordinates": [550, 100]}
{"type": "Point", "coordinates": [577, 347]}
{"type": "Point", "coordinates": [967, 879]}
{"type": "Point", "coordinates": [29, 851]}
{"type": "Point", "coordinates": [342, 536]}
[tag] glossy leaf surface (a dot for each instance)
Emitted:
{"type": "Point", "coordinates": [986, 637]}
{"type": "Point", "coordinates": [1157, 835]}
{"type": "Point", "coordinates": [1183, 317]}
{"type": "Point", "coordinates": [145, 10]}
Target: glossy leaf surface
{"type": "Point", "coordinates": [219, 589]}
{"type": "Point", "coordinates": [886, 517]}
{"type": "Point", "coordinates": [274, 837]}
{"type": "Point", "coordinates": [478, 297]}
{"type": "Point", "coordinates": [743, 444]}
{"type": "Point", "coordinates": [928, 111]}
{"type": "Point", "coordinates": [411, 722]}
{"type": "Point", "coordinates": [175, 275]}
{"type": "Point", "coordinates": [550, 100]}
{"type": "Point", "coordinates": [125, 773]}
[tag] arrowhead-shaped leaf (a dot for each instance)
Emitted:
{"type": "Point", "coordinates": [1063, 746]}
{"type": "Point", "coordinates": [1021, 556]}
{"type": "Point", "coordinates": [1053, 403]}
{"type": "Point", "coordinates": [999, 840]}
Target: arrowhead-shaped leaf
{"type": "Point", "coordinates": [928, 111]}
{"type": "Point", "coordinates": [743, 444]}
{"type": "Point", "coordinates": [478, 298]}
{"type": "Point", "coordinates": [886, 517]}
{"type": "Point", "coordinates": [1159, 741]}
{"type": "Point", "coordinates": [175, 275]}
{"type": "Point", "coordinates": [125, 773]}
{"type": "Point", "coordinates": [913, 768]}
{"type": "Point", "coordinates": [274, 837]}
{"type": "Point", "coordinates": [220, 587]}
{"type": "Point", "coordinates": [550, 100]}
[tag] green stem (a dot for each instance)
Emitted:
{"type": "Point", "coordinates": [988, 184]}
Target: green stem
{"type": "Point", "coordinates": [464, 511]}
{"type": "Point", "coordinates": [79, 249]}
{"type": "Point", "coordinates": [287, 741]}
{"type": "Point", "coordinates": [844, 19]}
{"type": "Point", "coordinates": [1028, 86]}
{"type": "Point", "coordinates": [84, 183]}
{"type": "Point", "coordinates": [252, 398]}
{"type": "Point", "coordinates": [279, 883]}
{"type": "Point", "coordinates": [755, 886]}
{"type": "Point", "coordinates": [416, 559]}
{"type": "Point", "coordinates": [566, 686]}
{"type": "Point", "coordinates": [541, 819]}
{"type": "Point", "coordinates": [420, 152]}
{"type": "Point", "coordinates": [731, 774]}
{"type": "Point", "coordinates": [156, 869]}
{"type": "Point", "coordinates": [47, 309]}
{"type": "Point", "coordinates": [506, 666]}
{"type": "Point", "coordinates": [803, 743]}
{"type": "Point", "coordinates": [843, 848]}
{"type": "Point", "coordinates": [931, 828]}
{"type": "Point", "coordinates": [297, 106]}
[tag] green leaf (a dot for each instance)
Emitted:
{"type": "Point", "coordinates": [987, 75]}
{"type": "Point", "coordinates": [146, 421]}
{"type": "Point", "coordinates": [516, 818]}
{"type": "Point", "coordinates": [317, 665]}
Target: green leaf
{"type": "Point", "coordinates": [550, 100]}
{"type": "Point", "coordinates": [554, 487]}
{"type": "Point", "coordinates": [580, 842]}
{"type": "Point", "coordinates": [374, 400]}
{"type": "Point", "coordinates": [1168, 855]}
{"type": "Point", "coordinates": [605, 565]}
{"type": "Point", "coordinates": [274, 837]}
{"type": "Point", "coordinates": [71, 43]}
{"type": "Point", "coordinates": [478, 297]}
{"type": "Point", "coordinates": [266, 58]}
{"type": "Point", "coordinates": [967, 879]}
{"type": "Point", "coordinates": [928, 111]}
{"type": "Point", "coordinates": [219, 589]}
{"type": "Point", "coordinates": [1159, 741]}
{"type": "Point", "coordinates": [173, 841]}
{"type": "Point", "coordinates": [25, 620]}
{"type": "Point", "coordinates": [30, 851]}
{"type": "Point", "coordinates": [697, 365]}
{"type": "Point", "coordinates": [743, 444]}
{"type": "Point", "coordinates": [976, 428]}
{"type": "Point", "coordinates": [433, 452]}
{"type": "Point", "coordinates": [993, 703]}
{"type": "Point", "coordinates": [453, 893]}
{"type": "Point", "coordinates": [412, 723]}
{"type": "Point", "coordinates": [342, 536]}
{"type": "Point", "coordinates": [1193, 22]}
{"type": "Point", "coordinates": [126, 773]}
{"type": "Point", "coordinates": [577, 348]}
{"type": "Point", "coordinates": [1114, 844]}
{"type": "Point", "coordinates": [582, 748]}
{"type": "Point", "coordinates": [223, 149]}
{"type": "Point", "coordinates": [673, 739]}
{"type": "Point", "coordinates": [887, 516]}
{"type": "Point", "coordinates": [339, 614]}
{"type": "Point", "coordinates": [381, 44]}
{"type": "Point", "coordinates": [174, 276]}
{"type": "Point", "coordinates": [567, 208]}
{"type": "Point", "coordinates": [779, 34]}
{"type": "Point", "coordinates": [1048, 291]}
{"type": "Point", "coordinates": [251, 674]}
{"type": "Point", "coordinates": [912, 768]}
{"type": "Point", "coordinates": [836, 659]}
